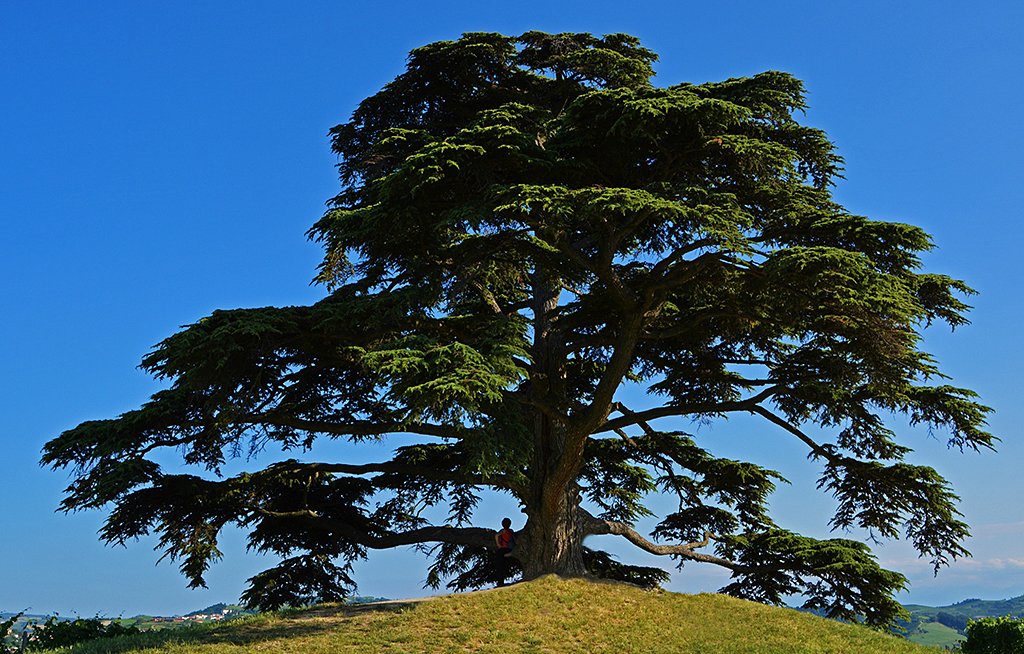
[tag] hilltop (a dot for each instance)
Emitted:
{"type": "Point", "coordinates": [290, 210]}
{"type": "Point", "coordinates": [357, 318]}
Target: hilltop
{"type": "Point", "coordinates": [944, 625]}
{"type": "Point", "coordinates": [973, 608]}
{"type": "Point", "coordinates": [547, 615]}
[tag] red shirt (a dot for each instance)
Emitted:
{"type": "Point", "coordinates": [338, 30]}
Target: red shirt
{"type": "Point", "coordinates": [505, 539]}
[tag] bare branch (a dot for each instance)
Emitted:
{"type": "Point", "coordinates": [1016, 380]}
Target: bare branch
{"type": "Point", "coordinates": [708, 408]}
{"type": "Point", "coordinates": [662, 266]}
{"type": "Point", "coordinates": [575, 291]}
{"type": "Point", "coordinates": [586, 424]}
{"type": "Point", "coordinates": [685, 550]}
{"type": "Point", "coordinates": [793, 429]}
{"type": "Point", "coordinates": [477, 536]}
{"type": "Point", "coordinates": [680, 274]}
{"type": "Point", "coordinates": [659, 461]}
{"type": "Point", "coordinates": [606, 273]}
{"type": "Point", "coordinates": [488, 297]}
{"type": "Point", "coordinates": [173, 442]}
{"type": "Point", "coordinates": [624, 410]}
{"type": "Point", "coordinates": [626, 438]}
{"type": "Point", "coordinates": [559, 417]}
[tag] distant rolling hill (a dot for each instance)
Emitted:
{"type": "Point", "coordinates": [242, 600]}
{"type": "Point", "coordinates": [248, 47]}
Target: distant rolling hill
{"type": "Point", "coordinates": [944, 625]}
{"type": "Point", "coordinates": [4, 615]}
{"type": "Point", "coordinates": [975, 608]}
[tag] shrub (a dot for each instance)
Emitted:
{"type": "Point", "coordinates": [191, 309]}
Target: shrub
{"type": "Point", "coordinates": [55, 633]}
{"type": "Point", "coordinates": [6, 633]}
{"type": "Point", "coordinates": [995, 636]}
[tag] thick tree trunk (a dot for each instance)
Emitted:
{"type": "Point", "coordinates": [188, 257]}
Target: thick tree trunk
{"type": "Point", "coordinates": [552, 541]}
{"type": "Point", "coordinates": [553, 536]}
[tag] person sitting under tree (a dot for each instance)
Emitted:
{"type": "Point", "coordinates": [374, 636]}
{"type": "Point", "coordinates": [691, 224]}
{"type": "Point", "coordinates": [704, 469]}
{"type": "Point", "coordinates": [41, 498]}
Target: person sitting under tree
{"type": "Point", "coordinates": [506, 541]}
{"type": "Point", "coordinates": [506, 538]}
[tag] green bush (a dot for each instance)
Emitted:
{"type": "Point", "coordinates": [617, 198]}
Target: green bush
{"type": "Point", "coordinates": [7, 635]}
{"type": "Point", "coordinates": [994, 636]}
{"type": "Point", "coordinates": [55, 633]}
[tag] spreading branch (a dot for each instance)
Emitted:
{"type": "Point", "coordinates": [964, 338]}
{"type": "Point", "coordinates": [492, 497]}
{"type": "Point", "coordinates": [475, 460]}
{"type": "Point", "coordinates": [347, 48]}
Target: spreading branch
{"type": "Point", "coordinates": [471, 536]}
{"type": "Point", "coordinates": [816, 448]}
{"type": "Point", "coordinates": [677, 410]}
{"type": "Point", "coordinates": [406, 470]}
{"type": "Point", "coordinates": [354, 428]}
{"type": "Point", "coordinates": [688, 551]}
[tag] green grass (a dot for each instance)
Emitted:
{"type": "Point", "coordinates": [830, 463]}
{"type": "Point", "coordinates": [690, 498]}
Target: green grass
{"type": "Point", "coordinates": [935, 635]}
{"type": "Point", "coordinates": [547, 616]}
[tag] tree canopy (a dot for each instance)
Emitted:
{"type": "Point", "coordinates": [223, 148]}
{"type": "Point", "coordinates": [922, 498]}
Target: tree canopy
{"type": "Point", "coordinates": [525, 225]}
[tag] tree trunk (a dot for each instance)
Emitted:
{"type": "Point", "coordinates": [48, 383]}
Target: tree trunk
{"type": "Point", "coordinates": [553, 537]}
{"type": "Point", "coordinates": [552, 540]}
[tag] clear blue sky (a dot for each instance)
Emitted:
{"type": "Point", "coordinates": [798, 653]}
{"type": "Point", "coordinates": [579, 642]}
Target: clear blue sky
{"type": "Point", "coordinates": [159, 160]}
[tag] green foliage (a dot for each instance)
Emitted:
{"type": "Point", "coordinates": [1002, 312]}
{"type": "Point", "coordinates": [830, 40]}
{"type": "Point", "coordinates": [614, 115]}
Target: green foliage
{"type": "Point", "coordinates": [298, 581]}
{"type": "Point", "coordinates": [7, 632]}
{"type": "Point", "coordinates": [604, 566]}
{"type": "Point", "coordinates": [918, 495]}
{"type": "Point", "coordinates": [467, 568]}
{"type": "Point", "coordinates": [525, 224]}
{"type": "Point", "coordinates": [56, 633]}
{"type": "Point", "coordinates": [840, 578]}
{"type": "Point", "coordinates": [995, 636]}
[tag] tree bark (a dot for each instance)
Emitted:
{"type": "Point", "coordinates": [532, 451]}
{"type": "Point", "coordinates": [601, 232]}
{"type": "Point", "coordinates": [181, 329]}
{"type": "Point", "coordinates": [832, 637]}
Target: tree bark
{"type": "Point", "coordinates": [552, 541]}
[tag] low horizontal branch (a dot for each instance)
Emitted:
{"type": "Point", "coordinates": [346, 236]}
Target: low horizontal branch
{"type": "Point", "coordinates": [382, 540]}
{"type": "Point", "coordinates": [685, 550]}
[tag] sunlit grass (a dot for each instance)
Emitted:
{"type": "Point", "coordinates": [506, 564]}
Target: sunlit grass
{"type": "Point", "coordinates": [936, 635]}
{"type": "Point", "coordinates": [549, 615]}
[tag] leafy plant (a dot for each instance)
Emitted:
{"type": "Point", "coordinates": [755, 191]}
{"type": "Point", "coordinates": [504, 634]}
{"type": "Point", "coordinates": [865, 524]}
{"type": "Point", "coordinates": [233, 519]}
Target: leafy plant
{"type": "Point", "coordinates": [55, 633]}
{"type": "Point", "coordinates": [6, 633]}
{"type": "Point", "coordinates": [1003, 635]}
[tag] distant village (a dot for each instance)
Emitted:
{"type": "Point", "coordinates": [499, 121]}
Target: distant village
{"type": "Point", "coordinates": [215, 613]}
{"type": "Point", "coordinates": [192, 617]}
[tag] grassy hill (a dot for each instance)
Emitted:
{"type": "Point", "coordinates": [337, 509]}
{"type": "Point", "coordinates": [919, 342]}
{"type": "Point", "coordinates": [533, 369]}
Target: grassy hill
{"type": "Point", "coordinates": [935, 634]}
{"type": "Point", "coordinates": [548, 615]}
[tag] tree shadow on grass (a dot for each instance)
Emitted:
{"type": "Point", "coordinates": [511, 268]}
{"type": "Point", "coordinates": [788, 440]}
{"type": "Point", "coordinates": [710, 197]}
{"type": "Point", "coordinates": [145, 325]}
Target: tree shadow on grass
{"type": "Point", "coordinates": [245, 631]}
